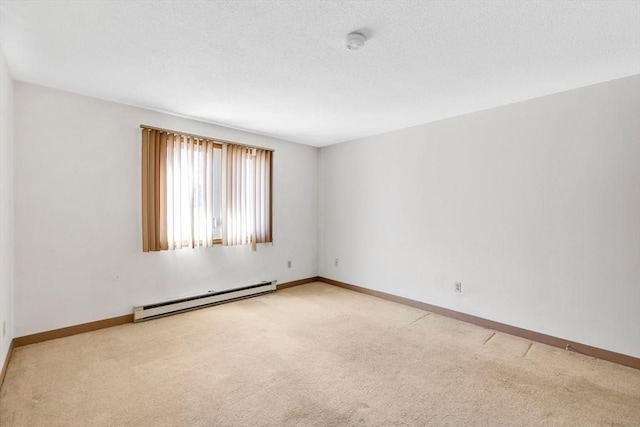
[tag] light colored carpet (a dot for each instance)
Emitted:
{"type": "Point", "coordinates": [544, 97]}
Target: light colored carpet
{"type": "Point", "coordinates": [313, 355]}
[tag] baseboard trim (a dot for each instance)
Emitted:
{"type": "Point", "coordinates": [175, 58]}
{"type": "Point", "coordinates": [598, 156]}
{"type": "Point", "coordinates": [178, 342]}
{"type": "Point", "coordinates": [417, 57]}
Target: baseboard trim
{"type": "Point", "coordinates": [297, 283]}
{"type": "Point", "coordinates": [6, 363]}
{"type": "Point", "coordinates": [621, 359]}
{"type": "Point", "coordinates": [72, 330]}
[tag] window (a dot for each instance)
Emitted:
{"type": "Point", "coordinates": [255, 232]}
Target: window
{"type": "Point", "coordinates": [197, 192]}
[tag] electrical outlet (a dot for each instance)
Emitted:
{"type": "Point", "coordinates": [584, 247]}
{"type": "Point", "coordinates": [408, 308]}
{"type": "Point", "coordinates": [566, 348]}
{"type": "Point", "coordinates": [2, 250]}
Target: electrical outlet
{"type": "Point", "coordinates": [458, 288]}
{"type": "Point", "coordinates": [288, 264]}
{"type": "Point", "coordinates": [336, 262]}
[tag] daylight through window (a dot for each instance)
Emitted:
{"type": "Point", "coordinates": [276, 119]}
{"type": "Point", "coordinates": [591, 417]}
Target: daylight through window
{"type": "Point", "coordinates": [198, 192]}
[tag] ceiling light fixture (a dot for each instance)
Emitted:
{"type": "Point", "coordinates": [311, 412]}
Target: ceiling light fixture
{"type": "Point", "coordinates": [355, 41]}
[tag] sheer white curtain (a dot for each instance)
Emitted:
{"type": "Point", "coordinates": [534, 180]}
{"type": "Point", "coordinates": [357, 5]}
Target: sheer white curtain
{"type": "Point", "coordinates": [246, 195]}
{"type": "Point", "coordinates": [190, 177]}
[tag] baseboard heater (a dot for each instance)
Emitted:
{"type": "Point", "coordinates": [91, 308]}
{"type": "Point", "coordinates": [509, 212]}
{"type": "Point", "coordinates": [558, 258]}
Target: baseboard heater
{"type": "Point", "coordinates": [167, 308]}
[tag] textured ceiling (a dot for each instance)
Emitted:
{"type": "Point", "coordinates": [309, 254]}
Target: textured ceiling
{"type": "Point", "coordinates": [280, 68]}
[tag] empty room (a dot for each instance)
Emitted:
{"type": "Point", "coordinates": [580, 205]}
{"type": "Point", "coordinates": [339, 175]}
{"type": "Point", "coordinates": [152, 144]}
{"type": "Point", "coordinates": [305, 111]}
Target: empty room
{"type": "Point", "coordinates": [319, 213]}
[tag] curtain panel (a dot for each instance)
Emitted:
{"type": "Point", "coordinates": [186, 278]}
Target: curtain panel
{"type": "Point", "coordinates": [190, 175]}
{"type": "Point", "coordinates": [154, 217]}
{"type": "Point", "coordinates": [246, 195]}
{"type": "Point", "coordinates": [178, 175]}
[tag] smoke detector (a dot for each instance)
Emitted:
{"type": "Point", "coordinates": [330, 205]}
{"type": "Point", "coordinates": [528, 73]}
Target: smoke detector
{"type": "Point", "coordinates": [355, 41]}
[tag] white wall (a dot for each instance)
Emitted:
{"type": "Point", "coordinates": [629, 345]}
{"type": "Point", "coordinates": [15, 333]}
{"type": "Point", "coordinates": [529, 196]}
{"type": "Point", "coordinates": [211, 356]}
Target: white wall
{"type": "Point", "coordinates": [6, 208]}
{"type": "Point", "coordinates": [78, 251]}
{"type": "Point", "coordinates": [534, 207]}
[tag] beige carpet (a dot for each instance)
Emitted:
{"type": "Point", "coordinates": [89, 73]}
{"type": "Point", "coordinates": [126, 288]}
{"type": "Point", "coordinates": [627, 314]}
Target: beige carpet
{"type": "Point", "coordinates": [313, 355]}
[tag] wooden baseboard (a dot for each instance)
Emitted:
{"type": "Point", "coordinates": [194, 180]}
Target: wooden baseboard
{"type": "Point", "coordinates": [6, 363]}
{"type": "Point", "coordinates": [72, 330]}
{"type": "Point", "coordinates": [588, 350]}
{"type": "Point", "coordinates": [297, 283]}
